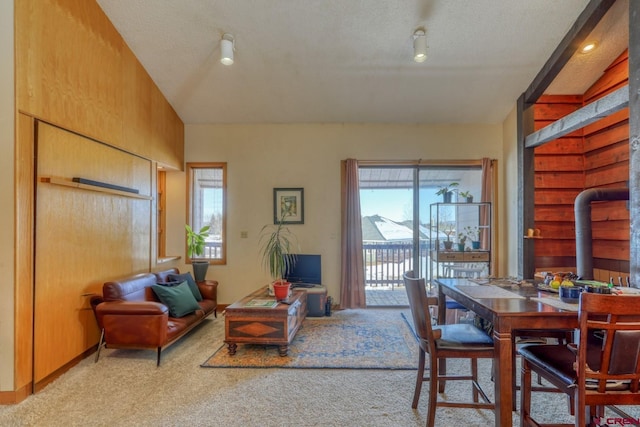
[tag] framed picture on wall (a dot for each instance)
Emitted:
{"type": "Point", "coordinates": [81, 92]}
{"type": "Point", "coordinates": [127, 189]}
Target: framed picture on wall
{"type": "Point", "coordinates": [288, 205]}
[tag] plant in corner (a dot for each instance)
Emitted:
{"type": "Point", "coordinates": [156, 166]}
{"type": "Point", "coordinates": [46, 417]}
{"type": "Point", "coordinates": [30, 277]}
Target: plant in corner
{"type": "Point", "coordinates": [195, 247]}
{"type": "Point", "coordinates": [277, 243]}
{"type": "Point", "coordinates": [446, 191]}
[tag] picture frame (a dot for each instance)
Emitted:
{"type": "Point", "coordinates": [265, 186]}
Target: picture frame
{"type": "Point", "coordinates": [288, 199]}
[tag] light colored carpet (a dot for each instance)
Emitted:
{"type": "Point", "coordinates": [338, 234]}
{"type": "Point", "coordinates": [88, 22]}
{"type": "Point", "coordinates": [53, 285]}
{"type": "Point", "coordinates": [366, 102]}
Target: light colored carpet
{"type": "Point", "coordinates": [126, 389]}
{"type": "Point", "coordinates": [350, 339]}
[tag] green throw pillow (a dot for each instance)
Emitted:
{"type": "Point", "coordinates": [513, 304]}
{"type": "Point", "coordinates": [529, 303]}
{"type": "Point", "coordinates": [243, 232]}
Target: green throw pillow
{"type": "Point", "coordinates": [178, 299]}
{"type": "Point", "coordinates": [190, 281]}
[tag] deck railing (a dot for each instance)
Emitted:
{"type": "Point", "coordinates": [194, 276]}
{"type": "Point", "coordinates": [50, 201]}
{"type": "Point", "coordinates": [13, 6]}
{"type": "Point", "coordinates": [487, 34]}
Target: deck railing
{"type": "Point", "coordinates": [386, 263]}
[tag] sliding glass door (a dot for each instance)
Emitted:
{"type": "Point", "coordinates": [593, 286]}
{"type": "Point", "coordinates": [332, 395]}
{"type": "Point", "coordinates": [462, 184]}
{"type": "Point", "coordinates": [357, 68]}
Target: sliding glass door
{"type": "Point", "coordinates": [395, 202]}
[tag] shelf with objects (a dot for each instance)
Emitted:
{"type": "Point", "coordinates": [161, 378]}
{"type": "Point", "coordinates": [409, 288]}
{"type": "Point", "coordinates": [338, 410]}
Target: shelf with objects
{"type": "Point", "coordinates": [461, 233]}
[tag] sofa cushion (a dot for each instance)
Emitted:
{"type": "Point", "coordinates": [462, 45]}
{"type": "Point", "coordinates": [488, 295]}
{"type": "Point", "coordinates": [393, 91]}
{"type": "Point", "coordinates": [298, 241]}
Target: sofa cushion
{"type": "Point", "coordinates": [172, 283]}
{"type": "Point", "coordinates": [178, 299]}
{"type": "Point", "coordinates": [190, 281]}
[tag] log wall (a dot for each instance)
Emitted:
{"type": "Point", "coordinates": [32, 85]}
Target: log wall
{"type": "Point", "coordinates": [596, 156]}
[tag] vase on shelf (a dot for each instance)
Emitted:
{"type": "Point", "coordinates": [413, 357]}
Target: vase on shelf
{"type": "Point", "coordinates": [461, 247]}
{"type": "Point", "coordinates": [448, 244]}
{"type": "Point", "coordinates": [475, 244]}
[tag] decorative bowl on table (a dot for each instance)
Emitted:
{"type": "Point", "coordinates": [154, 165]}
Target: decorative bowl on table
{"type": "Point", "coordinates": [570, 294]}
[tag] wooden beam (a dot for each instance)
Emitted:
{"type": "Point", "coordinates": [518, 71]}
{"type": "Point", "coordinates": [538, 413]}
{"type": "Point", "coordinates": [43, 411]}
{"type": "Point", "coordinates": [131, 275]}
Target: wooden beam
{"type": "Point", "coordinates": [576, 35]}
{"type": "Point", "coordinates": [526, 189]}
{"type": "Point", "coordinates": [603, 107]}
{"type": "Point", "coordinates": [634, 142]}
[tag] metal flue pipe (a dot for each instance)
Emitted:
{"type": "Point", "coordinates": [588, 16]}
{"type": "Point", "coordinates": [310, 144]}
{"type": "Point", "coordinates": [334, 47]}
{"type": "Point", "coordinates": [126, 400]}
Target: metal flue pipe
{"type": "Point", "coordinates": [584, 239]}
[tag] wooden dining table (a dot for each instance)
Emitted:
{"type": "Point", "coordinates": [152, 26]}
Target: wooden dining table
{"type": "Point", "coordinates": [510, 305]}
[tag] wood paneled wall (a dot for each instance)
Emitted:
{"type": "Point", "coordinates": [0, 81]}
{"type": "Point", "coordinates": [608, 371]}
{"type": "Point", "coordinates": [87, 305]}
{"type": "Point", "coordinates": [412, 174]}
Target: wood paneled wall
{"type": "Point", "coordinates": [75, 72]}
{"type": "Point", "coordinates": [83, 238]}
{"type": "Point", "coordinates": [596, 156]}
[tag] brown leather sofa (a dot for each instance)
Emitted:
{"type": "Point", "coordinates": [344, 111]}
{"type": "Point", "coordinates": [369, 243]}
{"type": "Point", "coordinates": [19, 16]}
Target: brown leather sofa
{"type": "Point", "coordinates": [130, 315]}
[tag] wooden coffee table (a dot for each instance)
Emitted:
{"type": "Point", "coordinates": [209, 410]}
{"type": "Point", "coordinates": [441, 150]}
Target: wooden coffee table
{"type": "Point", "coordinates": [277, 325]}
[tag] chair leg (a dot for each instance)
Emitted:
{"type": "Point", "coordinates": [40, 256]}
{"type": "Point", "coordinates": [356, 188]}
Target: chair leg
{"type": "Point", "coordinates": [419, 379]}
{"type": "Point", "coordinates": [525, 394]}
{"type": "Point", "coordinates": [433, 389]}
{"type": "Point", "coordinates": [159, 351]}
{"type": "Point", "coordinates": [514, 387]}
{"type": "Point", "coordinates": [99, 346]}
{"type": "Point", "coordinates": [474, 374]}
{"type": "Point", "coordinates": [442, 370]}
{"type": "Point", "coordinates": [581, 415]}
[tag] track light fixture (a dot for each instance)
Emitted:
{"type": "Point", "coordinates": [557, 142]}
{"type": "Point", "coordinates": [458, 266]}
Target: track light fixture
{"type": "Point", "coordinates": [226, 49]}
{"type": "Point", "coordinates": [419, 46]}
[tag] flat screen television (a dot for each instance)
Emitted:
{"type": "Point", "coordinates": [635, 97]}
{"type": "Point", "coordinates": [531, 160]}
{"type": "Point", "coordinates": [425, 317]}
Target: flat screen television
{"type": "Point", "coordinates": [307, 269]}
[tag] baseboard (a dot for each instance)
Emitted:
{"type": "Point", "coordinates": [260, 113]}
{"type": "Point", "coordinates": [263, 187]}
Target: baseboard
{"type": "Point", "coordinates": [16, 396]}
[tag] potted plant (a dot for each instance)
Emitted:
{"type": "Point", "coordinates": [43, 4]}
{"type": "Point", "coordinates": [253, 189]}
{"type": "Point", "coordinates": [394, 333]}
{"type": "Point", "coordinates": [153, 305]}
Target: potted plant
{"type": "Point", "coordinates": [448, 229]}
{"type": "Point", "coordinates": [474, 235]}
{"type": "Point", "coordinates": [447, 192]}
{"type": "Point", "coordinates": [462, 238]}
{"type": "Point", "coordinates": [195, 247]}
{"type": "Point", "coordinates": [277, 243]}
{"type": "Point", "coordinates": [467, 196]}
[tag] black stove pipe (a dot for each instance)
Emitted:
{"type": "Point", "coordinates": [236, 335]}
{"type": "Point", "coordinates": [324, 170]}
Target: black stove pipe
{"type": "Point", "coordinates": [584, 239]}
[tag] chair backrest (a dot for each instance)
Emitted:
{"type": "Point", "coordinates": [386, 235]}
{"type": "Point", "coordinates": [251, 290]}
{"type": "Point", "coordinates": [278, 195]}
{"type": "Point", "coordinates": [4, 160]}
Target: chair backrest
{"type": "Point", "coordinates": [419, 304]}
{"type": "Point", "coordinates": [616, 360]}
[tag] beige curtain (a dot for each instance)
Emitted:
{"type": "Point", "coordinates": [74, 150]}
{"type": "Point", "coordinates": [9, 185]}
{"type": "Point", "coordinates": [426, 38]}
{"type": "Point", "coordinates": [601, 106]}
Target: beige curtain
{"type": "Point", "coordinates": [352, 293]}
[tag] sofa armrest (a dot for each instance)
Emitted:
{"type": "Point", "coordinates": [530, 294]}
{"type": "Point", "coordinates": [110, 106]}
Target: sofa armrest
{"type": "Point", "coordinates": [125, 308]}
{"type": "Point", "coordinates": [140, 324]}
{"type": "Point", "coordinates": [209, 289]}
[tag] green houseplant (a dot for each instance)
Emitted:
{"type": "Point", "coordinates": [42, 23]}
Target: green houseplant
{"type": "Point", "coordinates": [277, 246]}
{"type": "Point", "coordinates": [474, 235]}
{"type": "Point", "coordinates": [195, 248]}
{"type": "Point", "coordinates": [467, 196]}
{"type": "Point", "coordinates": [446, 191]}
{"type": "Point", "coordinates": [462, 238]}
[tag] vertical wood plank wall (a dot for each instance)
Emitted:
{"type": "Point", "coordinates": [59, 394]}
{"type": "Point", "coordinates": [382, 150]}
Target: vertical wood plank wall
{"type": "Point", "coordinates": [75, 72]}
{"type": "Point", "coordinates": [82, 237]}
{"type": "Point", "coordinates": [596, 156]}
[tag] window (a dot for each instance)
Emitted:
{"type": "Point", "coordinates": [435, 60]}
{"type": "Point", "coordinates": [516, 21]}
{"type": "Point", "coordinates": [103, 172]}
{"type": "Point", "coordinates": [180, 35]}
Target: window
{"type": "Point", "coordinates": [206, 205]}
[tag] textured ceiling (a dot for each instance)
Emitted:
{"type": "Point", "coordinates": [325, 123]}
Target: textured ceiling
{"type": "Point", "coordinates": [351, 60]}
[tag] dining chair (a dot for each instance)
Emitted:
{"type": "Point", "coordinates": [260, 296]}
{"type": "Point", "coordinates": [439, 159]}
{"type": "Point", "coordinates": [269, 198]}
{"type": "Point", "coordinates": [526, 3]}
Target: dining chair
{"type": "Point", "coordinates": [603, 369]}
{"type": "Point", "coordinates": [441, 342]}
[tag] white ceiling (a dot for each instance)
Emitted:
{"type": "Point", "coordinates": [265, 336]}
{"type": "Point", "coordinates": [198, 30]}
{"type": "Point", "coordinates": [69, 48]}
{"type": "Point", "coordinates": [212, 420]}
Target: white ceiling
{"type": "Point", "coordinates": [351, 60]}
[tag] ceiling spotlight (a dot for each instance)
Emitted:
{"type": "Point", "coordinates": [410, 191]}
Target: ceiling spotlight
{"type": "Point", "coordinates": [419, 46]}
{"type": "Point", "coordinates": [226, 49]}
{"type": "Point", "coordinates": [588, 47]}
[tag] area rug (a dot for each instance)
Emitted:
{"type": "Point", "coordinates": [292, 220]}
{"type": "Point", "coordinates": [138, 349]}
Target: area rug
{"type": "Point", "coordinates": [349, 339]}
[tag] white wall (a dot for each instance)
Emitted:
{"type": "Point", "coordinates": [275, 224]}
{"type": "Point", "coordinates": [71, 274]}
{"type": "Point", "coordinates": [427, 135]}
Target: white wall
{"type": "Point", "coordinates": [7, 120]}
{"type": "Point", "coordinates": [263, 156]}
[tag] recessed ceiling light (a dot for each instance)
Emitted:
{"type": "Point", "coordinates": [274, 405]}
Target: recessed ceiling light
{"type": "Point", "coordinates": [588, 47]}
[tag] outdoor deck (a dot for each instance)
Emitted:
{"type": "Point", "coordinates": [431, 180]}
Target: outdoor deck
{"type": "Point", "coordinates": [386, 296]}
